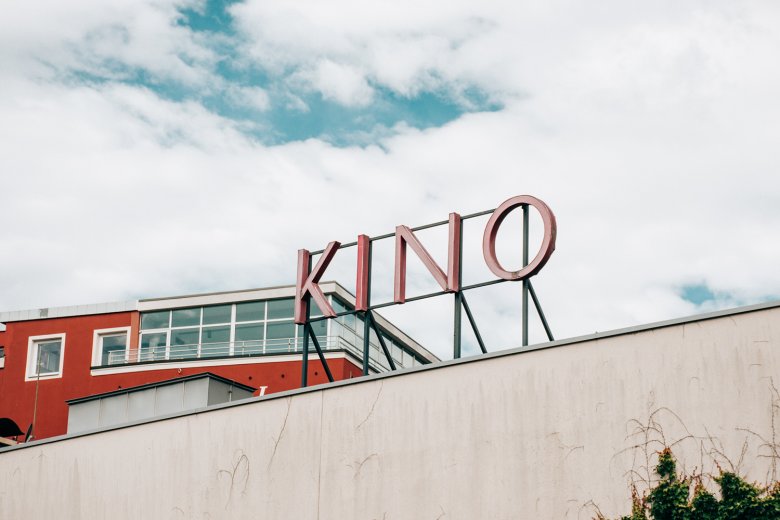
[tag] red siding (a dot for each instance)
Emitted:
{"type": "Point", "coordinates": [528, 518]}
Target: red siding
{"type": "Point", "coordinates": [17, 397]}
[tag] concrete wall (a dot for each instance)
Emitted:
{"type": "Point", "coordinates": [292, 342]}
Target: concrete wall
{"type": "Point", "coordinates": [542, 434]}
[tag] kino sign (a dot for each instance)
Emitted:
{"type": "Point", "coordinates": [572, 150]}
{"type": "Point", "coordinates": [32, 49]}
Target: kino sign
{"type": "Point", "coordinates": [450, 281]}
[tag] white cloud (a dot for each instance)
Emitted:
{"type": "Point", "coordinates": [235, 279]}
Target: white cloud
{"type": "Point", "coordinates": [650, 130]}
{"type": "Point", "coordinates": [104, 39]}
{"type": "Point", "coordinates": [340, 83]}
{"type": "Point", "coordinates": [252, 97]}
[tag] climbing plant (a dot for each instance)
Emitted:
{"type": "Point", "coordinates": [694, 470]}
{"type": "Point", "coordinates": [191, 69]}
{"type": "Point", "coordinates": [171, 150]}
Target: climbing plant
{"type": "Point", "coordinates": [680, 497]}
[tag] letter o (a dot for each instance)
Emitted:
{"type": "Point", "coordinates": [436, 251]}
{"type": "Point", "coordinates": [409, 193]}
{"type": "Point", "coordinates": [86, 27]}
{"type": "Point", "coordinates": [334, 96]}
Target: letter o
{"type": "Point", "coordinates": [491, 231]}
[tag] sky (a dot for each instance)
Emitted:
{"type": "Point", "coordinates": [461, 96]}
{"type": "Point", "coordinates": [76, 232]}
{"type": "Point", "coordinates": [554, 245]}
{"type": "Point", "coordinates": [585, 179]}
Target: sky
{"type": "Point", "coordinates": [155, 148]}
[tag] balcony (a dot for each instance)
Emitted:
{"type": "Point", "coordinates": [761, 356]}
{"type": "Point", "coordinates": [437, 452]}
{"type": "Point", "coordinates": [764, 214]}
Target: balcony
{"type": "Point", "coordinates": [196, 351]}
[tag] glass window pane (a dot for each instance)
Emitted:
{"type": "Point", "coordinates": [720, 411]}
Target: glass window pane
{"type": "Point", "coordinates": [215, 341]}
{"type": "Point", "coordinates": [215, 334]}
{"type": "Point", "coordinates": [153, 346]}
{"type": "Point", "coordinates": [280, 309]}
{"type": "Point", "coordinates": [216, 314]}
{"type": "Point", "coordinates": [184, 337]}
{"type": "Point", "coordinates": [113, 349]}
{"type": "Point", "coordinates": [320, 330]}
{"type": "Point", "coordinates": [185, 317]}
{"type": "Point", "coordinates": [250, 311]}
{"type": "Point", "coordinates": [280, 337]}
{"type": "Point", "coordinates": [348, 320]}
{"type": "Point", "coordinates": [249, 339]}
{"type": "Point", "coordinates": [155, 320]}
{"type": "Point", "coordinates": [184, 343]}
{"type": "Point", "coordinates": [315, 309]}
{"type": "Point", "coordinates": [338, 306]}
{"type": "Point", "coordinates": [396, 353]}
{"type": "Point", "coordinates": [249, 332]}
{"type": "Point", "coordinates": [48, 354]}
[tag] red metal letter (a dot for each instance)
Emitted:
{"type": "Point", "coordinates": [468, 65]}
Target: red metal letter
{"type": "Point", "coordinates": [363, 270]}
{"type": "Point", "coordinates": [491, 230]}
{"type": "Point", "coordinates": [448, 282]}
{"type": "Point", "coordinates": [308, 283]}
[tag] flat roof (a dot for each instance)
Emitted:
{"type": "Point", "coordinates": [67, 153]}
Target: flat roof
{"type": "Point", "coordinates": [167, 382]}
{"type": "Point", "coordinates": [160, 303]}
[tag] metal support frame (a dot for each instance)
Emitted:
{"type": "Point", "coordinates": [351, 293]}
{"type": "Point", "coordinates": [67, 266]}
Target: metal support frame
{"type": "Point", "coordinates": [473, 324]}
{"type": "Point", "coordinates": [540, 312]}
{"type": "Point", "coordinates": [310, 331]}
{"type": "Point", "coordinates": [305, 362]}
{"type": "Point", "coordinates": [370, 319]}
{"type": "Point", "coordinates": [367, 317]}
{"type": "Point", "coordinates": [525, 281]}
{"type": "Point", "coordinates": [460, 303]}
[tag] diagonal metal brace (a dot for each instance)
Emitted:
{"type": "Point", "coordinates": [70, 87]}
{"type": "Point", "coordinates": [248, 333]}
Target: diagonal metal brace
{"type": "Point", "coordinates": [473, 323]}
{"type": "Point", "coordinates": [370, 317]}
{"type": "Point", "coordinates": [310, 332]}
{"type": "Point", "coordinates": [540, 311]}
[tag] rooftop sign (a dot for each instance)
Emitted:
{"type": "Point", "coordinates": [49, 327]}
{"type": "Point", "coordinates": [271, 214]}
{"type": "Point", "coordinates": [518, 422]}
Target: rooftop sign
{"type": "Point", "coordinates": [450, 280]}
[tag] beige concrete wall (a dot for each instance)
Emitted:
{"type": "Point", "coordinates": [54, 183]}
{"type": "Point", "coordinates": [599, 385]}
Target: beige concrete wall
{"type": "Point", "coordinates": [543, 434]}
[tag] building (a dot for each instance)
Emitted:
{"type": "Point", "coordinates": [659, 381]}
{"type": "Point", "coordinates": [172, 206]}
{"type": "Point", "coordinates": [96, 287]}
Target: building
{"type": "Point", "coordinates": [51, 356]}
{"type": "Point", "coordinates": [555, 430]}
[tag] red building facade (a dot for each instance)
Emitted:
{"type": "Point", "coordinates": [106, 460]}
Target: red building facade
{"type": "Point", "coordinates": [55, 355]}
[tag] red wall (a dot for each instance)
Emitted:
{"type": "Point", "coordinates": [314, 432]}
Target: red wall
{"type": "Point", "coordinates": [17, 397]}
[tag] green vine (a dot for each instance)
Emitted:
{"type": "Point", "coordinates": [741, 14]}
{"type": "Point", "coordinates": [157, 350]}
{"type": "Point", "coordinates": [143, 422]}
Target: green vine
{"type": "Point", "coordinates": [677, 497]}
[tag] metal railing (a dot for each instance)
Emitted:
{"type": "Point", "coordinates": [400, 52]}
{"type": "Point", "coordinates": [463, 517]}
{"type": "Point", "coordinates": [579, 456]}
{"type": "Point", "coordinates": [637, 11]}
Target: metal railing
{"type": "Point", "coordinates": [227, 349]}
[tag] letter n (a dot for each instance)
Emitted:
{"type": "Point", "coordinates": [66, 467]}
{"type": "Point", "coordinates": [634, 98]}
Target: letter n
{"type": "Point", "coordinates": [449, 281]}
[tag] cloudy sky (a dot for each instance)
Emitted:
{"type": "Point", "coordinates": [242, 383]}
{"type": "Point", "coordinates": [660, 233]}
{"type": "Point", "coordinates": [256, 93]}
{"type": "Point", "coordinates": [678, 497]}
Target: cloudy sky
{"type": "Point", "coordinates": [153, 148]}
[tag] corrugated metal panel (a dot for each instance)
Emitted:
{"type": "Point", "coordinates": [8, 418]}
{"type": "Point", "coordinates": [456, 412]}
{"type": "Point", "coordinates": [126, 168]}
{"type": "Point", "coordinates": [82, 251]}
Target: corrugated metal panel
{"type": "Point", "coordinates": [140, 405]}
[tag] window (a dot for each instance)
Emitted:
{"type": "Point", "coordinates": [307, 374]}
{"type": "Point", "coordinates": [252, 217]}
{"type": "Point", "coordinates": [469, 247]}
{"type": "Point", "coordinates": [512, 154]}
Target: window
{"type": "Point", "coordinates": [235, 329]}
{"type": "Point", "coordinates": [110, 347]}
{"type": "Point", "coordinates": [153, 346]}
{"type": "Point", "coordinates": [155, 320]}
{"type": "Point", "coordinates": [2, 357]}
{"type": "Point", "coordinates": [215, 341]}
{"type": "Point", "coordinates": [184, 343]}
{"type": "Point", "coordinates": [216, 314]}
{"type": "Point", "coordinates": [45, 355]}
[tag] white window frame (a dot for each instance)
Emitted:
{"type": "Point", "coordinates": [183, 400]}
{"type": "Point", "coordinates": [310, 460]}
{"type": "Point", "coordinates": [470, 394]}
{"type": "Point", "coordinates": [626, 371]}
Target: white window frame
{"type": "Point", "coordinates": [2, 358]}
{"type": "Point", "coordinates": [32, 356]}
{"type": "Point", "coordinates": [97, 343]}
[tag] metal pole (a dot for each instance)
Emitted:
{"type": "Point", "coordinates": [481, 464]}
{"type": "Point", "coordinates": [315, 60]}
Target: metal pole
{"type": "Point", "coordinates": [458, 305]}
{"type": "Point", "coordinates": [305, 362]}
{"type": "Point", "coordinates": [525, 282]}
{"type": "Point", "coordinates": [367, 316]}
{"type": "Point", "coordinates": [540, 312]}
{"type": "Point", "coordinates": [474, 325]}
{"type": "Point", "coordinates": [382, 343]}
{"type": "Point", "coordinates": [310, 332]}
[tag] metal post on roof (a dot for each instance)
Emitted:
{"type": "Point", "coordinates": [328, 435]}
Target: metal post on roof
{"type": "Point", "coordinates": [309, 331]}
{"type": "Point", "coordinates": [540, 312]}
{"type": "Point", "coordinates": [305, 353]}
{"type": "Point", "coordinates": [474, 325]}
{"type": "Point", "coordinates": [458, 303]}
{"type": "Point", "coordinates": [525, 281]}
{"type": "Point", "coordinates": [370, 318]}
{"type": "Point", "coordinates": [365, 242]}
